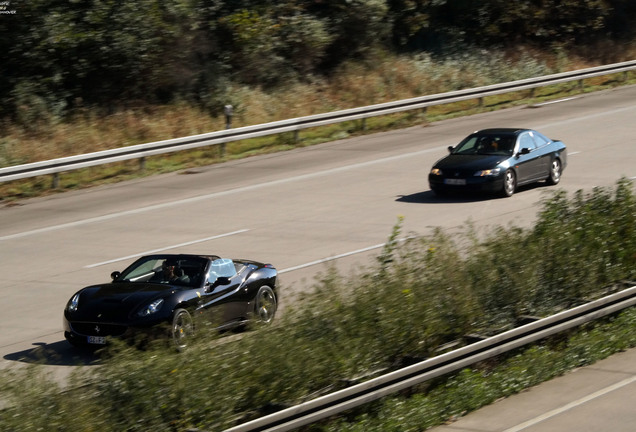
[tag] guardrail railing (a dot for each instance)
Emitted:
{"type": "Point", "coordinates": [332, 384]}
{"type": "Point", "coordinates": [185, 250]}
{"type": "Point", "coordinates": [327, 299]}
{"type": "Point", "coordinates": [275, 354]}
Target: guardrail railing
{"type": "Point", "coordinates": [351, 397]}
{"type": "Point", "coordinates": [222, 137]}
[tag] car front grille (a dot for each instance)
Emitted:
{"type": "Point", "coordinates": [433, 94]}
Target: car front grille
{"type": "Point", "coordinates": [458, 173]}
{"type": "Point", "coordinates": [98, 329]}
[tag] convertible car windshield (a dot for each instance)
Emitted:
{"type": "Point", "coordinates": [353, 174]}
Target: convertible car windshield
{"type": "Point", "coordinates": [165, 269]}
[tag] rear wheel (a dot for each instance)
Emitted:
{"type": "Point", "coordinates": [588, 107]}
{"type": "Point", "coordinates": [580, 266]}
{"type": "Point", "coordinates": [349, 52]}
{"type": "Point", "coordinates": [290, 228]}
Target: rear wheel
{"type": "Point", "coordinates": [555, 172]}
{"type": "Point", "coordinates": [182, 329]}
{"type": "Point", "coordinates": [265, 304]}
{"type": "Point", "coordinates": [510, 183]}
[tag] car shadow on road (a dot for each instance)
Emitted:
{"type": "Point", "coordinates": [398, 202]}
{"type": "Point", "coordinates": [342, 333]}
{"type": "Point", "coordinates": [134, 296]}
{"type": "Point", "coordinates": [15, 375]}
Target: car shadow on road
{"type": "Point", "coordinates": [59, 353]}
{"type": "Point", "coordinates": [429, 197]}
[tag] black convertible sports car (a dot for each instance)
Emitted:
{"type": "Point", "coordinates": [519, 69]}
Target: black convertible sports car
{"type": "Point", "coordinates": [499, 160]}
{"type": "Point", "coordinates": [172, 291]}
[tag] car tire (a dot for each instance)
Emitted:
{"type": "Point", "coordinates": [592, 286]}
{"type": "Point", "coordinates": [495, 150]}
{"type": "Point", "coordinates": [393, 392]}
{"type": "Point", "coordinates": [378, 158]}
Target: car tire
{"type": "Point", "coordinates": [509, 183]}
{"type": "Point", "coordinates": [182, 329]}
{"type": "Point", "coordinates": [555, 172]}
{"type": "Point", "coordinates": [265, 305]}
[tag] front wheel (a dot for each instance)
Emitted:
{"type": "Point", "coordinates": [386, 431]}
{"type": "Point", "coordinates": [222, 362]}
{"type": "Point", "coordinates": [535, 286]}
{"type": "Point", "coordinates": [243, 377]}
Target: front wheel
{"type": "Point", "coordinates": [182, 329]}
{"type": "Point", "coordinates": [555, 172]}
{"type": "Point", "coordinates": [510, 183]}
{"type": "Point", "coordinates": [265, 304]}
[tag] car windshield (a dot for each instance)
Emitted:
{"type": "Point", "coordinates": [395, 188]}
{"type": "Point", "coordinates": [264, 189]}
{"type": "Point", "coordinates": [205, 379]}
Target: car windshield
{"type": "Point", "coordinates": [486, 144]}
{"type": "Point", "coordinates": [166, 269]}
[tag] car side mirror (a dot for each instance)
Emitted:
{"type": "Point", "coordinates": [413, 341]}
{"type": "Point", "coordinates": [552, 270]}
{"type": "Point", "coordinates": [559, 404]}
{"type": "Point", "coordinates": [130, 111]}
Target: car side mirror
{"type": "Point", "coordinates": [450, 149]}
{"type": "Point", "coordinates": [219, 281]}
{"type": "Point", "coordinates": [114, 275]}
{"type": "Point", "coordinates": [524, 151]}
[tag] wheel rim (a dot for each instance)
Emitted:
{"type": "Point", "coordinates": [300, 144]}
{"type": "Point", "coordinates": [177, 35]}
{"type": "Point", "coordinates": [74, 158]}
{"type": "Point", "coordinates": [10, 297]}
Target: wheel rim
{"type": "Point", "coordinates": [509, 183]}
{"type": "Point", "coordinates": [265, 305]}
{"type": "Point", "coordinates": [555, 171]}
{"type": "Point", "coordinates": [182, 329]}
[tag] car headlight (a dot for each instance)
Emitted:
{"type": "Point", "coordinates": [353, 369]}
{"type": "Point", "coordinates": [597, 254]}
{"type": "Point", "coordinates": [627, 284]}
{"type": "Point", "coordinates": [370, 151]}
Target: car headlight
{"type": "Point", "coordinates": [489, 172]}
{"type": "Point", "coordinates": [436, 171]}
{"type": "Point", "coordinates": [73, 303]}
{"type": "Point", "coordinates": [151, 308]}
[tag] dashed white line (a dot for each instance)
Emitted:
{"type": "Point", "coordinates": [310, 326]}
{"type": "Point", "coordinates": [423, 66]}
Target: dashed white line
{"type": "Point", "coordinates": [331, 258]}
{"type": "Point", "coordinates": [343, 255]}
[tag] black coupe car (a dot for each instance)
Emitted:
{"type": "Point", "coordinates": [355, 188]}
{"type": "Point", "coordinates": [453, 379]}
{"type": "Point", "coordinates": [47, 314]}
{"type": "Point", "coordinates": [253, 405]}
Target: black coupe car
{"type": "Point", "coordinates": [172, 292]}
{"type": "Point", "coordinates": [499, 160]}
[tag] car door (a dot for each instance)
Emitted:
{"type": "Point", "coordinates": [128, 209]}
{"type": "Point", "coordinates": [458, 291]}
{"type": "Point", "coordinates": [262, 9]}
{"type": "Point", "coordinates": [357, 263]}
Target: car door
{"type": "Point", "coordinates": [543, 155]}
{"type": "Point", "coordinates": [525, 159]}
{"type": "Point", "coordinates": [219, 300]}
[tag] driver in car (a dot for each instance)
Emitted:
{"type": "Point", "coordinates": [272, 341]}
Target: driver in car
{"type": "Point", "coordinates": [170, 273]}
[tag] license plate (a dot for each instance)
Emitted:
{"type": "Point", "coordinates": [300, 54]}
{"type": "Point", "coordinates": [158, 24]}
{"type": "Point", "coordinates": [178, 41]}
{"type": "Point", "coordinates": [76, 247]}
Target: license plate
{"type": "Point", "coordinates": [97, 340]}
{"type": "Point", "coordinates": [459, 182]}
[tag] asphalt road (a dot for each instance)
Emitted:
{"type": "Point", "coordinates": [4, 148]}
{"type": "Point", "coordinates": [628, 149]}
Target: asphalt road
{"type": "Point", "coordinates": [297, 210]}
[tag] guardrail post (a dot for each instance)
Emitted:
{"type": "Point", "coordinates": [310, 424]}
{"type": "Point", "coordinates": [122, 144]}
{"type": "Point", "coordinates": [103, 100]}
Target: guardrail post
{"type": "Point", "coordinates": [142, 164]}
{"type": "Point", "coordinates": [364, 124]}
{"type": "Point", "coordinates": [581, 85]}
{"type": "Point", "coordinates": [55, 181]}
{"type": "Point", "coordinates": [229, 111]}
{"type": "Point", "coordinates": [296, 136]}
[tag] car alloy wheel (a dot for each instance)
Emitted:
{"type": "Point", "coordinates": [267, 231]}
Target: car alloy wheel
{"type": "Point", "coordinates": [182, 328]}
{"type": "Point", "coordinates": [555, 172]}
{"type": "Point", "coordinates": [510, 183]}
{"type": "Point", "coordinates": [265, 304]}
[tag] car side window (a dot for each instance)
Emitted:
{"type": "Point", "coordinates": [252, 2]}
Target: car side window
{"type": "Point", "coordinates": [526, 141]}
{"type": "Point", "coordinates": [540, 140]}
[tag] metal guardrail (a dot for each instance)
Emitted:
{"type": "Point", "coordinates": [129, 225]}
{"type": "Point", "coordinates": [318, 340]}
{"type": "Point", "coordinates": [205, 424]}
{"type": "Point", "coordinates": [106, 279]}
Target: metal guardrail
{"type": "Point", "coordinates": [335, 403]}
{"type": "Point", "coordinates": [141, 151]}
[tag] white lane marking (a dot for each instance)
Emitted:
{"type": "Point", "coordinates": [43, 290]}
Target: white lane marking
{"type": "Point", "coordinates": [555, 101]}
{"type": "Point", "coordinates": [165, 248]}
{"type": "Point", "coordinates": [331, 258]}
{"type": "Point", "coordinates": [217, 194]}
{"type": "Point", "coordinates": [571, 405]}
{"type": "Point", "coordinates": [335, 257]}
{"type": "Point", "coordinates": [585, 118]}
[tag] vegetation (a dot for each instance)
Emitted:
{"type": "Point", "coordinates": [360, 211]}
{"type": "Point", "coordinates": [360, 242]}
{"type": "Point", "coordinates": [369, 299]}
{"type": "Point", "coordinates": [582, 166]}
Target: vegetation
{"type": "Point", "coordinates": [57, 57]}
{"type": "Point", "coordinates": [423, 293]}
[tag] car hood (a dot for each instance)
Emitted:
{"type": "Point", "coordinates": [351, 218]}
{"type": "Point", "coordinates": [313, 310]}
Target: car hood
{"type": "Point", "coordinates": [115, 302]}
{"type": "Point", "coordinates": [470, 162]}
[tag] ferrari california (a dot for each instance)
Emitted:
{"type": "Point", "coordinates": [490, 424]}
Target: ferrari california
{"type": "Point", "coordinates": [172, 293]}
{"type": "Point", "coordinates": [499, 160]}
